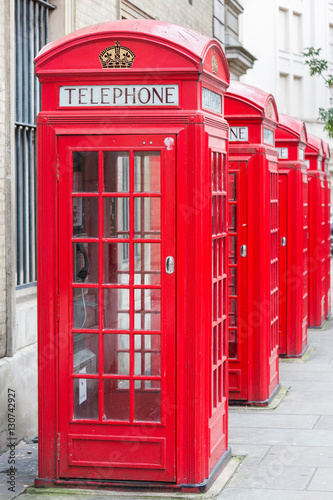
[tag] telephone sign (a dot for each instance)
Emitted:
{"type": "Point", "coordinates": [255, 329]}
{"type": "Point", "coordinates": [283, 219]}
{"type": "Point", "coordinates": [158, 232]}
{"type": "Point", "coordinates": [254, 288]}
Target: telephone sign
{"type": "Point", "coordinates": [238, 134]}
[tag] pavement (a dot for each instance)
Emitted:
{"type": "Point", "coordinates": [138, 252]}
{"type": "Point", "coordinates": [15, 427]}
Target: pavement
{"type": "Point", "coordinates": [283, 452]}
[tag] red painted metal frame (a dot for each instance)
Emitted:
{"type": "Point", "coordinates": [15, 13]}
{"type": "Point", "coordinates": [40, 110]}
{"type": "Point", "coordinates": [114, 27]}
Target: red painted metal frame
{"type": "Point", "coordinates": [253, 293]}
{"type": "Point", "coordinates": [317, 247]}
{"type": "Point", "coordinates": [200, 434]}
{"type": "Point", "coordinates": [326, 159]}
{"type": "Point", "coordinates": [291, 135]}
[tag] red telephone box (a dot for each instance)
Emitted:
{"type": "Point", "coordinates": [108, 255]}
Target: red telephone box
{"type": "Point", "coordinates": [290, 139]}
{"type": "Point", "coordinates": [317, 247]}
{"type": "Point", "coordinates": [326, 159]}
{"type": "Point", "coordinates": [253, 245]}
{"type": "Point", "coordinates": [132, 210]}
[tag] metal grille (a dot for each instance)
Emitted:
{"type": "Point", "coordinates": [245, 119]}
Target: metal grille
{"type": "Point", "coordinates": [31, 34]}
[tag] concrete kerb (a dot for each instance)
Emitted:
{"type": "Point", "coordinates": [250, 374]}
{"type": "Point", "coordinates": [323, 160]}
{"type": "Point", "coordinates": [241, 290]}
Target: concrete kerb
{"type": "Point", "coordinates": [222, 480]}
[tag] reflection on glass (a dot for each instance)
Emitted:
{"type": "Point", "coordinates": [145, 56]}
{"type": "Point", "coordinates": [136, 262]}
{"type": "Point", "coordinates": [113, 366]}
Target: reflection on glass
{"type": "Point", "coordinates": [116, 263]}
{"type": "Point", "coordinates": [147, 263]}
{"type": "Point", "coordinates": [85, 217]}
{"type": "Point", "coordinates": [147, 305]}
{"type": "Point", "coordinates": [233, 218]}
{"type": "Point", "coordinates": [147, 217]}
{"type": "Point", "coordinates": [85, 262]}
{"type": "Point", "coordinates": [116, 309]}
{"type": "Point", "coordinates": [85, 171]}
{"type": "Point", "coordinates": [85, 353]}
{"type": "Point", "coordinates": [116, 399]}
{"type": "Point", "coordinates": [85, 398]}
{"type": "Point", "coordinates": [116, 217]}
{"type": "Point", "coordinates": [232, 186]}
{"type": "Point", "coordinates": [116, 354]}
{"type": "Point", "coordinates": [147, 172]}
{"type": "Point", "coordinates": [147, 401]}
{"type": "Point", "coordinates": [85, 308]}
{"type": "Point", "coordinates": [116, 171]}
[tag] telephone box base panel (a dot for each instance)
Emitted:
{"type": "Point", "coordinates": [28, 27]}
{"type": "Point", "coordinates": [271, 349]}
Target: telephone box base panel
{"type": "Point", "coordinates": [136, 486]}
{"type": "Point", "coordinates": [266, 402]}
{"type": "Point", "coordinates": [317, 327]}
{"type": "Point", "coordinates": [286, 356]}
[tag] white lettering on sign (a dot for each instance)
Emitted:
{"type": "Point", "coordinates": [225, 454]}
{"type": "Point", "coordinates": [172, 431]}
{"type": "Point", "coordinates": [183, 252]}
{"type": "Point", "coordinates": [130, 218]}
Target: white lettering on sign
{"type": "Point", "coordinates": [118, 95]}
{"type": "Point", "coordinates": [211, 100]}
{"type": "Point", "coordinates": [307, 163]}
{"type": "Point", "coordinates": [283, 153]}
{"type": "Point", "coordinates": [301, 154]}
{"type": "Point", "coordinates": [268, 136]}
{"type": "Point", "coordinates": [238, 134]}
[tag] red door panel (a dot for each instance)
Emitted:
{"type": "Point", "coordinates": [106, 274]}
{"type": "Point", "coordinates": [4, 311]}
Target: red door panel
{"type": "Point", "coordinates": [238, 282]}
{"type": "Point", "coordinates": [283, 210]}
{"type": "Point", "coordinates": [117, 308]}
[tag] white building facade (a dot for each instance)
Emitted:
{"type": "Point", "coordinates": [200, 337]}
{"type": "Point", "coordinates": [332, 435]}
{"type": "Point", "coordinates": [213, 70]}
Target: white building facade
{"type": "Point", "coordinates": [277, 32]}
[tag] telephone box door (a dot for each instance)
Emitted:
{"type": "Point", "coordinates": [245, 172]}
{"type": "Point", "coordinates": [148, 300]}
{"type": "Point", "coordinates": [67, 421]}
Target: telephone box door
{"type": "Point", "coordinates": [238, 282]}
{"type": "Point", "coordinates": [283, 289]}
{"type": "Point", "coordinates": [117, 307]}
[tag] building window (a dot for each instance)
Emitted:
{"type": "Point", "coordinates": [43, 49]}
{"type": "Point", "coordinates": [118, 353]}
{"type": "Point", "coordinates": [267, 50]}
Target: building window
{"type": "Point", "coordinates": [283, 30]}
{"type": "Point", "coordinates": [297, 33]}
{"type": "Point", "coordinates": [31, 34]}
{"type": "Point", "coordinates": [330, 41]}
{"type": "Point", "coordinates": [297, 99]}
{"type": "Point", "coordinates": [283, 93]}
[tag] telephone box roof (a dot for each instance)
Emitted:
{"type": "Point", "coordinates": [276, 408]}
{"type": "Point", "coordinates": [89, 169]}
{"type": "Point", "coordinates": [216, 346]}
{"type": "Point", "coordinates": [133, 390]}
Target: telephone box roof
{"type": "Point", "coordinates": [326, 150]}
{"type": "Point", "coordinates": [77, 51]}
{"type": "Point", "coordinates": [288, 125]}
{"type": "Point", "coordinates": [262, 102]}
{"type": "Point", "coordinates": [314, 145]}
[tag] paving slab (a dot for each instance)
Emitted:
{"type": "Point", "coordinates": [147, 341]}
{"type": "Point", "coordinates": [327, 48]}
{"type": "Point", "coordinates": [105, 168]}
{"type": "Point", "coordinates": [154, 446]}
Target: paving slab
{"type": "Point", "coordinates": [322, 480]}
{"type": "Point", "coordinates": [311, 396]}
{"type": "Point", "coordinates": [25, 470]}
{"type": "Point", "coordinates": [314, 456]}
{"type": "Point", "coordinates": [259, 494]}
{"type": "Point", "coordinates": [305, 408]}
{"type": "Point", "coordinates": [278, 477]}
{"type": "Point", "coordinates": [293, 437]}
{"type": "Point", "coordinates": [272, 421]}
{"type": "Point", "coordinates": [253, 454]}
{"type": "Point", "coordinates": [325, 422]}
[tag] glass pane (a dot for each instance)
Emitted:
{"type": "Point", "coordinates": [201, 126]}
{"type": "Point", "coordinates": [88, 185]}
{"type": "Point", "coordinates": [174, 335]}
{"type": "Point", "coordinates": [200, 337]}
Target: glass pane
{"type": "Point", "coordinates": [116, 263]}
{"type": "Point", "coordinates": [147, 402]}
{"type": "Point", "coordinates": [232, 186]}
{"type": "Point", "coordinates": [85, 171]}
{"type": "Point", "coordinates": [147, 263]}
{"type": "Point", "coordinates": [116, 217]}
{"type": "Point", "coordinates": [233, 218]}
{"type": "Point", "coordinates": [147, 217]}
{"type": "Point", "coordinates": [116, 399]}
{"type": "Point", "coordinates": [232, 249]}
{"type": "Point", "coordinates": [147, 314]}
{"type": "Point", "coordinates": [116, 309]}
{"type": "Point", "coordinates": [85, 353]}
{"type": "Point", "coordinates": [85, 308]}
{"type": "Point", "coordinates": [147, 357]}
{"type": "Point", "coordinates": [147, 172]}
{"type": "Point", "coordinates": [232, 281]}
{"type": "Point", "coordinates": [116, 172]}
{"type": "Point", "coordinates": [85, 217]}
{"type": "Point", "coordinates": [116, 354]}
{"type": "Point", "coordinates": [85, 398]}
{"type": "Point", "coordinates": [85, 262]}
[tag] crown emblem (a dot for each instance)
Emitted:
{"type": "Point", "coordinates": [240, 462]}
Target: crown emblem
{"type": "Point", "coordinates": [215, 66]}
{"type": "Point", "coordinates": [117, 56]}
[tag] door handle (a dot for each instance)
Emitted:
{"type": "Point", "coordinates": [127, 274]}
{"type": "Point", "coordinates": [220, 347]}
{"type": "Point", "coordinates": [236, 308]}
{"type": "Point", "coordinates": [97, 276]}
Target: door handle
{"type": "Point", "coordinates": [243, 250]}
{"type": "Point", "coordinates": [169, 265]}
{"type": "Point", "coordinates": [283, 241]}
